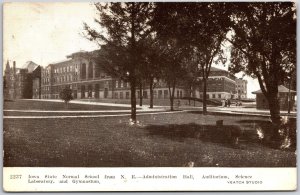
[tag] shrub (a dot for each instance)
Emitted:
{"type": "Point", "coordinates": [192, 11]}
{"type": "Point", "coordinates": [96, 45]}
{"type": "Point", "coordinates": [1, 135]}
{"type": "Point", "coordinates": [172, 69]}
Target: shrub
{"type": "Point", "coordinates": [66, 95]}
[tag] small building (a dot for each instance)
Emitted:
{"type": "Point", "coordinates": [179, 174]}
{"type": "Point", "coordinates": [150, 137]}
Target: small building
{"type": "Point", "coordinates": [283, 93]}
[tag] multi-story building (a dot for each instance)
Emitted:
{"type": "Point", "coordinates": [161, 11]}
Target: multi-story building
{"type": "Point", "coordinates": [19, 81]}
{"type": "Point", "coordinates": [241, 88]}
{"type": "Point", "coordinates": [220, 85]}
{"type": "Point", "coordinates": [88, 80]}
{"type": "Point", "coordinates": [80, 73]}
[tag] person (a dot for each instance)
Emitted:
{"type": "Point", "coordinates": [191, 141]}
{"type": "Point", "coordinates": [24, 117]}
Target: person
{"type": "Point", "coordinates": [229, 102]}
{"type": "Point", "coordinates": [226, 102]}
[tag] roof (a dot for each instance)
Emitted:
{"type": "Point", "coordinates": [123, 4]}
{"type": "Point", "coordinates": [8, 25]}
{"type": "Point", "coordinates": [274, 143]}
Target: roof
{"type": "Point", "coordinates": [216, 69]}
{"type": "Point", "coordinates": [281, 89]}
{"type": "Point", "coordinates": [60, 61]}
{"type": "Point", "coordinates": [30, 66]}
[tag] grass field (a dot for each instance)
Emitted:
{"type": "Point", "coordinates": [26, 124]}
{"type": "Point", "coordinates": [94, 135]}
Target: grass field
{"type": "Point", "coordinates": [163, 140]}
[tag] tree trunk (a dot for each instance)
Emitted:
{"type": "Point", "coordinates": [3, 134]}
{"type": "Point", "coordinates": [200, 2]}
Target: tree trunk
{"type": "Point", "coordinates": [204, 96]}
{"type": "Point", "coordinates": [141, 93]}
{"type": "Point", "coordinates": [151, 93]}
{"type": "Point", "coordinates": [133, 100]}
{"type": "Point", "coordinates": [190, 96]}
{"type": "Point", "coordinates": [274, 109]}
{"type": "Point", "coordinates": [171, 95]}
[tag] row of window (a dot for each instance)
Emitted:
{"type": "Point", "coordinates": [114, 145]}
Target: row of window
{"type": "Point", "coordinates": [213, 96]}
{"type": "Point", "coordinates": [66, 78]}
{"type": "Point", "coordinates": [47, 88]}
{"type": "Point", "coordinates": [156, 94]}
{"type": "Point", "coordinates": [121, 84]}
{"type": "Point", "coordinates": [66, 69]}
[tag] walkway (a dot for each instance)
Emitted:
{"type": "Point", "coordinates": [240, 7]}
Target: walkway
{"type": "Point", "coordinates": [143, 110]}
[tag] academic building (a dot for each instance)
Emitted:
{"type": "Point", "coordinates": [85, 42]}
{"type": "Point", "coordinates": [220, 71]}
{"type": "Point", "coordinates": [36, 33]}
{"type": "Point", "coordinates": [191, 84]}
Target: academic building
{"type": "Point", "coordinates": [22, 83]}
{"type": "Point", "coordinates": [220, 85]}
{"type": "Point", "coordinates": [87, 80]}
{"type": "Point", "coordinates": [241, 88]}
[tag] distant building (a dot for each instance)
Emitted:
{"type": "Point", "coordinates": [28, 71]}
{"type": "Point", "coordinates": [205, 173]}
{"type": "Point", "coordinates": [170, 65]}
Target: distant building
{"type": "Point", "coordinates": [241, 88]}
{"type": "Point", "coordinates": [221, 84]}
{"type": "Point", "coordinates": [18, 82]}
{"type": "Point", "coordinates": [283, 93]}
{"type": "Point", "coordinates": [88, 80]}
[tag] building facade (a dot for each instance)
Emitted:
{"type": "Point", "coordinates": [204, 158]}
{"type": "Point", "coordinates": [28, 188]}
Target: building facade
{"type": "Point", "coordinates": [88, 80]}
{"type": "Point", "coordinates": [18, 82]}
{"type": "Point", "coordinates": [283, 95]}
{"type": "Point", "coordinates": [241, 88]}
{"type": "Point", "coordinates": [220, 85]}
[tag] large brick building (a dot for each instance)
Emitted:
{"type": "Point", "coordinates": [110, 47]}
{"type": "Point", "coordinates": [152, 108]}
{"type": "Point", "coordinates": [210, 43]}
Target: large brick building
{"type": "Point", "coordinates": [87, 80]}
{"type": "Point", "coordinates": [18, 82]}
{"type": "Point", "coordinates": [220, 85]}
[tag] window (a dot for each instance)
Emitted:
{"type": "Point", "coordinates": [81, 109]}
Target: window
{"type": "Point", "coordinates": [213, 95]}
{"type": "Point", "coordinates": [121, 95]}
{"type": "Point", "coordinates": [90, 70]}
{"type": "Point", "coordinates": [83, 71]}
{"type": "Point", "coordinates": [121, 84]}
{"type": "Point", "coordinates": [145, 94]}
{"type": "Point", "coordinates": [116, 95]}
{"type": "Point", "coordinates": [154, 94]}
{"type": "Point", "coordinates": [116, 84]}
{"type": "Point", "coordinates": [219, 96]}
{"type": "Point", "coordinates": [166, 94]}
{"type": "Point", "coordinates": [127, 95]}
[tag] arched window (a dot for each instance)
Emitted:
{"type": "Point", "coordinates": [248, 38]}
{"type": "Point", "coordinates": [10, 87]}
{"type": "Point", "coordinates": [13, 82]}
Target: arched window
{"type": "Point", "coordinates": [83, 71]}
{"type": "Point", "coordinates": [90, 69]}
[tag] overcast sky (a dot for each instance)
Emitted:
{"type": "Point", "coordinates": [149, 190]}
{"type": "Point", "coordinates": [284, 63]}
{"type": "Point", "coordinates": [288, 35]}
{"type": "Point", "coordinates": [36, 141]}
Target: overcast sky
{"type": "Point", "coordinates": [48, 32]}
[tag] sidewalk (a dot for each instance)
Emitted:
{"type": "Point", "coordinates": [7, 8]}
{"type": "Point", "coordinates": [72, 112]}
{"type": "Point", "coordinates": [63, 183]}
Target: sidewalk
{"type": "Point", "coordinates": [143, 108]}
{"type": "Point", "coordinates": [246, 111]}
{"type": "Point", "coordinates": [233, 110]}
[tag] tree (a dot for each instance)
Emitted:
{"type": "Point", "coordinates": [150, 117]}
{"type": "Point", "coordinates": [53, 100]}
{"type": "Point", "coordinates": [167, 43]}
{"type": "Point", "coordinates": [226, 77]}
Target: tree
{"type": "Point", "coordinates": [264, 46]}
{"type": "Point", "coordinates": [201, 27]}
{"type": "Point", "coordinates": [125, 26]}
{"type": "Point", "coordinates": [173, 47]}
{"type": "Point", "coordinates": [172, 66]}
{"type": "Point", "coordinates": [152, 58]}
{"type": "Point", "coordinates": [208, 30]}
{"type": "Point", "coordinates": [66, 95]}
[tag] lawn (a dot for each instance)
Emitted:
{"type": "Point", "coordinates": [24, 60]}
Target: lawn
{"type": "Point", "coordinates": [47, 105]}
{"type": "Point", "coordinates": [163, 140]}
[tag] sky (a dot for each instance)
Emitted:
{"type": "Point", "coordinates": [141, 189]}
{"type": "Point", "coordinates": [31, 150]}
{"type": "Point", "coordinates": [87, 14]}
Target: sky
{"type": "Point", "coordinates": [47, 32]}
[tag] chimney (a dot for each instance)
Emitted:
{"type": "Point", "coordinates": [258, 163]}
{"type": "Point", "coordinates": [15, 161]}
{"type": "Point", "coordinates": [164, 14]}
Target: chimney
{"type": "Point", "coordinates": [14, 66]}
{"type": "Point", "coordinates": [7, 67]}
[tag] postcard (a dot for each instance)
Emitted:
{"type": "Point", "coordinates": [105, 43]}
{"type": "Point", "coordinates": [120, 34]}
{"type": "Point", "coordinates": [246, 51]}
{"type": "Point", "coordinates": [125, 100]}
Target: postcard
{"type": "Point", "coordinates": [149, 96]}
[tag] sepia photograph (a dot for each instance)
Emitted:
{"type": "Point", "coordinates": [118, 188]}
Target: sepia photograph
{"type": "Point", "coordinates": [205, 88]}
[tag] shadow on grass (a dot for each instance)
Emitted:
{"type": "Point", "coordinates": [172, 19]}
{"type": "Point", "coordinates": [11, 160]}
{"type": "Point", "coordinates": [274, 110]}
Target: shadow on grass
{"type": "Point", "coordinates": [226, 135]}
{"type": "Point", "coordinates": [232, 136]}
